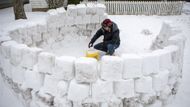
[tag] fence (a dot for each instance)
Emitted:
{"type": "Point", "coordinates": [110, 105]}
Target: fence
{"type": "Point", "coordinates": [143, 7]}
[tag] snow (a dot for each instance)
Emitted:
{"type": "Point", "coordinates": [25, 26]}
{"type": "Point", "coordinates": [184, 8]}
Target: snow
{"type": "Point", "coordinates": [18, 74]}
{"type": "Point", "coordinates": [72, 10]}
{"type": "Point", "coordinates": [8, 22]}
{"type": "Point", "coordinates": [101, 9]}
{"type": "Point", "coordinates": [50, 85]}
{"type": "Point", "coordinates": [62, 88]}
{"type": "Point", "coordinates": [81, 9]}
{"type": "Point", "coordinates": [165, 59]}
{"type": "Point", "coordinates": [61, 10]}
{"type": "Point", "coordinates": [102, 91]}
{"type": "Point", "coordinates": [5, 48]}
{"type": "Point", "coordinates": [64, 67]}
{"type": "Point", "coordinates": [160, 80]}
{"type": "Point", "coordinates": [62, 102]}
{"type": "Point", "coordinates": [150, 64]}
{"type": "Point", "coordinates": [16, 54]}
{"type": "Point", "coordinates": [143, 84]}
{"type": "Point", "coordinates": [124, 89]}
{"type": "Point", "coordinates": [46, 62]}
{"type": "Point", "coordinates": [8, 97]}
{"type": "Point", "coordinates": [78, 92]}
{"type": "Point", "coordinates": [133, 40]}
{"type": "Point", "coordinates": [33, 79]}
{"type": "Point", "coordinates": [132, 66]}
{"type": "Point", "coordinates": [181, 22]}
{"type": "Point", "coordinates": [86, 70]}
{"type": "Point", "coordinates": [91, 8]}
{"type": "Point", "coordinates": [111, 68]}
{"type": "Point", "coordinates": [29, 57]}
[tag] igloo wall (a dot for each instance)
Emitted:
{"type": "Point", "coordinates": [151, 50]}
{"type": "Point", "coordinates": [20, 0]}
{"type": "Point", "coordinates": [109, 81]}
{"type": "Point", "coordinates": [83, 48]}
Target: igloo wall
{"type": "Point", "coordinates": [43, 79]}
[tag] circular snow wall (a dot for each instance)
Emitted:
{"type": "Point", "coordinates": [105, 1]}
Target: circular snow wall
{"type": "Point", "coordinates": [45, 78]}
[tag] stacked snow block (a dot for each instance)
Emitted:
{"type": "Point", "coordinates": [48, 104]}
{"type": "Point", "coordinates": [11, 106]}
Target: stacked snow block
{"type": "Point", "coordinates": [18, 62]}
{"type": "Point", "coordinates": [80, 20]}
{"type": "Point", "coordinates": [66, 81]}
{"type": "Point", "coordinates": [85, 81]}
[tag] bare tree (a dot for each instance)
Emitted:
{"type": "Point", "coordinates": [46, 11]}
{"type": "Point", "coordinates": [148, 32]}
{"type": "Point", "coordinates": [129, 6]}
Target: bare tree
{"type": "Point", "coordinates": [18, 7]}
{"type": "Point", "coordinates": [55, 3]}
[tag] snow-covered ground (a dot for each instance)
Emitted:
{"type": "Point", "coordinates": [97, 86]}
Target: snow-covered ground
{"type": "Point", "coordinates": [182, 22]}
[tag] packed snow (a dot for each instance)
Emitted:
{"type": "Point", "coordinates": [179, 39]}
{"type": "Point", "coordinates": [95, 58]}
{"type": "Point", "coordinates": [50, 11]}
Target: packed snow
{"type": "Point", "coordinates": [136, 32]}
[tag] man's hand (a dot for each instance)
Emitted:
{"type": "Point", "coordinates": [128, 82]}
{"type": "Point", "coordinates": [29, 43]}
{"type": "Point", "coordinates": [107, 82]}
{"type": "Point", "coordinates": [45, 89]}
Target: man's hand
{"type": "Point", "coordinates": [90, 45]}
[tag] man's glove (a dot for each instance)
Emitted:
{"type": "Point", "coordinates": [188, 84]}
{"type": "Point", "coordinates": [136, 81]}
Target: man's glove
{"type": "Point", "coordinates": [90, 45]}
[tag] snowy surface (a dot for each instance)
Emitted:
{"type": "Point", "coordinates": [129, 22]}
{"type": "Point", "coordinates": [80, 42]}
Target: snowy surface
{"type": "Point", "coordinates": [179, 22]}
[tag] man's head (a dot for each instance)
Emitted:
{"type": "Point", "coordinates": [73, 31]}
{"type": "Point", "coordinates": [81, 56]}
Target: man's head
{"type": "Point", "coordinates": [106, 24]}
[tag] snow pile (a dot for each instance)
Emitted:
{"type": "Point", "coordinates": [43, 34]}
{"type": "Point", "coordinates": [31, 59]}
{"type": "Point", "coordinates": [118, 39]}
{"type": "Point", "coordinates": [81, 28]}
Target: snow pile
{"type": "Point", "coordinates": [47, 79]}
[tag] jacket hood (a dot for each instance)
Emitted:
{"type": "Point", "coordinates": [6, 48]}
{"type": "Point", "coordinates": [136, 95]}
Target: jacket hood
{"type": "Point", "coordinates": [114, 27]}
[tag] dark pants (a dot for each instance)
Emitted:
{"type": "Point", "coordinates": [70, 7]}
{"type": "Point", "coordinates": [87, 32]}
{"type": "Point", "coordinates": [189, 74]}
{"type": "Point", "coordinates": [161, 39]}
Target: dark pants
{"type": "Point", "coordinates": [108, 48]}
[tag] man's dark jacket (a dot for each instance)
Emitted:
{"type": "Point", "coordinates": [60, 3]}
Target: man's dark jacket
{"type": "Point", "coordinates": [109, 37]}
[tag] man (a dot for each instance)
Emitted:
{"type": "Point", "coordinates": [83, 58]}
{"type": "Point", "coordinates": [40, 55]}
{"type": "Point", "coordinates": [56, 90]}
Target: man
{"type": "Point", "coordinates": [111, 39]}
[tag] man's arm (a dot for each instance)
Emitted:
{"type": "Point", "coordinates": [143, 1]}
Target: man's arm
{"type": "Point", "coordinates": [97, 35]}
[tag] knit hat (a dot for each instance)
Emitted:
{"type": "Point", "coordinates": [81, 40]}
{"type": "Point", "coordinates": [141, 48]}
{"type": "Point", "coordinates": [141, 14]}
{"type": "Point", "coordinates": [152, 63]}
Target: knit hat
{"type": "Point", "coordinates": [107, 22]}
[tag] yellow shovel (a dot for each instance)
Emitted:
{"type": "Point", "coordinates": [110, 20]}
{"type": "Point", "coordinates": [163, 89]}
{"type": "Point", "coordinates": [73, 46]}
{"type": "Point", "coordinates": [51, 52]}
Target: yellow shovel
{"type": "Point", "coordinates": [91, 53]}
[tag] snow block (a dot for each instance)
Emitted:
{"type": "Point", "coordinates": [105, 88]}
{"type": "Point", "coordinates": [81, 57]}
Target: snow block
{"type": "Point", "coordinates": [81, 9]}
{"type": "Point", "coordinates": [143, 85]}
{"type": "Point", "coordinates": [42, 29]}
{"type": "Point", "coordinates": [45, 62]}
{"type": "Point", "coordinates": [115, 102]}
{"type": "Point", "coordinates": [4, 38]}
{"type": "Point", "coordinates": [125, 88]}
{"type": "Point", "coordinates": [102, 91]}
{"type": "Point", "coordinates": [148, 98]}
{"type": "Point", "coordinates": [62, 88]}
{"type": "Point", "coordinates": [72, 10]}
{"type": "Point", "coordinates": [90, 26]}
{"type": "Point", "coordinates": [61, 10]}
{"type": "Point", "coordinates": [18, 74]}
{"type": "Point", "coordinates": [30, 57]}
{"type": "Point", "coordinates": [86, 69]}
{"type": "Point", "coordinates": [5, 48]}
{"type": "Point", "coordinates": [103, 17]}
{"type": "Point", "coordinates": [132, 66]}
{"type": "Point", "coordinates": [50, 85]}
{"type": "Point", "coordinates": [95, 19]}
{"type": "Point", "coordinates": [91, 9]}
{"type": "Point", "coordinates": [71, 21]}
{"type": "Point", "coordinates": [62, 102]}
{"type": "Point", "coordinates": [174, 50]}
{"type": "Point", "coordinates": [36, 36]}
{"type": "Point", "coordinates": [160, 81]}
{"type": "Point", "coordinates": [157, 103]}
{"type": "Point", "coordinates": [52, 12]}
{"type": "Point", "coordinates": [33, 79]}
{"type": "Point", "coordinates": [164, 95]}
{"type": "Point", "coordinates": [86, 19]}
{"type": "Point", "coordinates": [78, 92]}
{"type": "Point", "coordinates": [87, 103]}
{"type": "Point", "coordinates": [79, 20]}
{"type": "Point", "coordinates": [150, 64]}
{"type": "Point", "coordinates": [101, 9]}
{"type": "Point", "coordinates": [111, 68]}
{"type": "Point", "coordinates": [165, 59]}
{"type": "Point", "coordinates": [64, 68]}
{"type": "Point", "coordinates": [16, 54]}
{"type": "Point", "coordinates": [43, 99]}
{"type": "Point", "coordinates": [178, 40]}
{"type": "Point", "coordinates": [7, 67]}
